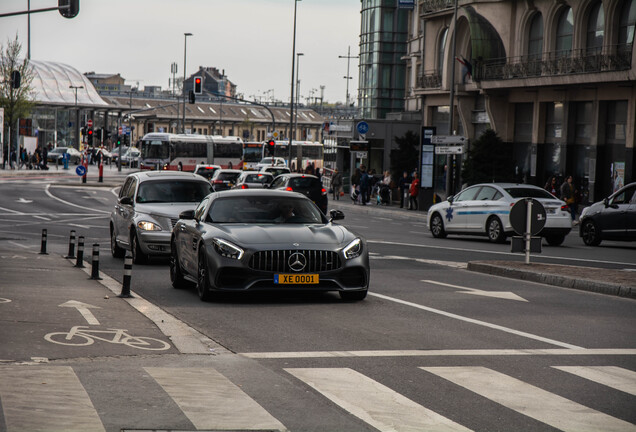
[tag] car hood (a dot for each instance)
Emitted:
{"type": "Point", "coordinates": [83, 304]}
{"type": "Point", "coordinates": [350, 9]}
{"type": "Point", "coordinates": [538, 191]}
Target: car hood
{"type": "Point", "coordinates": [286, 235]}
{"type": "Point", "coordinates": [169, 210]}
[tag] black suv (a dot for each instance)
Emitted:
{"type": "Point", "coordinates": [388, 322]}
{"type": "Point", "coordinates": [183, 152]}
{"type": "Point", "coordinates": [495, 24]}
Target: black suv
{"type": "Point", "coordinates": [307, 184]}
{"type": "Point", "coordinates": [224, 179]}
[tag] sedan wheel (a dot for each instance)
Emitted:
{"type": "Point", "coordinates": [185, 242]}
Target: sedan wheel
{"type": "Point", "coordinates": [138, 256]}
{"type": "Point", "coordinates": [115, 250]}
{"type": "Point", "coordinates": [590, 233]}
{"type": "Point", "coordinates": [437, 226]}
{"type": "Point", "coordinates": [495, 230]}
{"type": "Point", "coordinates": [555, 240]}
{"type": "Point", "coordinates": [203, 283]}
{"type": "Point", "coordinates": [176, 276]}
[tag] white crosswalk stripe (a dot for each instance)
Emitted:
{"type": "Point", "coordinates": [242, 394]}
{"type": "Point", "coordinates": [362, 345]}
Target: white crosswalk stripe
{"type": "Point", "coordinates": [211, 401]}
{"type": "Point", "coordinates": [531, 401]}
{"type": "Point", "coordinates": [611, 376]}
{"type": "Point", "coordinates": [373, 402]}
{"type": "Point", "coordinates": [47, 399]}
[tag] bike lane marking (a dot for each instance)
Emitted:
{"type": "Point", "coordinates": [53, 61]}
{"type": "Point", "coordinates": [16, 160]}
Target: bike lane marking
{"type": "Point", "coordinates": [83, 308]}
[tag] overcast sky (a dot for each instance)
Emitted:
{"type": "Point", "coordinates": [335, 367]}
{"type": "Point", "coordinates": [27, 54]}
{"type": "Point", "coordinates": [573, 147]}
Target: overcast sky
{"type": "Point", "coordinates": [250, 39]}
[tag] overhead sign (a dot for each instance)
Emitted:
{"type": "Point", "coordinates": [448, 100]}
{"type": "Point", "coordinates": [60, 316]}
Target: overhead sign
{"type": "Point", "coordinates": [362, 127]}
{"type": "Point", "coordinates": [446, 150]}
{"type": "Point", "coordinates": [448, 139]}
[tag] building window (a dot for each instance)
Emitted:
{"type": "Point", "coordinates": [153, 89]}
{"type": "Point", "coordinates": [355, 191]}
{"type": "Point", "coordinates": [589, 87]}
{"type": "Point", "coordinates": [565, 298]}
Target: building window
{"type": "Point", "coordinates": [535, 38]}
{"type": "Point", "coordinates": [616, 122]}
{"type": "Point", "coordinates": [627, 24]}
{"type": "Point", "coordinates": [523, 122]}
{"type": "Point", "coordinates": [441, 46]}
{"type": "Point", "coordinates": [554, 122]}
{"type": "Point", "coordinates": [584, 122]}
{"type": "Point", "coordinates": [565, 29]}
{"type": "Point", "coordinates": [595, 29]}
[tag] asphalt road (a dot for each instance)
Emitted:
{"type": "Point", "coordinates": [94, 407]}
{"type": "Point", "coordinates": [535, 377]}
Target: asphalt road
{"type": "Point", "coordinates": [433, 344]}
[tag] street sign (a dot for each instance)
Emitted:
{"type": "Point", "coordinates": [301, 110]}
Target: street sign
{"type": "Point", "coordinates": [80, 170]}
{"type": "Point", "coordinates": [362, 127]}
{"type": "Point", "coordinates": [518, 214]}
{"type": "Point", "coordinates": [119, 130]}
{"type": "Point", "coordinates": [89, 123]}
{"type": "Point", "coordinates": [275, 134]}
{"type": "Point", "coordinates": [361, 154]}
{"type": "Point", "coordinates": [448, 139]}
{"type": "Point", "coordinates": [446, 150]}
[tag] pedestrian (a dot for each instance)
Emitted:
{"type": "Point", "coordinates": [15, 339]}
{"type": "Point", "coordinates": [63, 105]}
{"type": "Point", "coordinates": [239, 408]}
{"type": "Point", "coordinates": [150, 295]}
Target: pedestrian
{"type": "Point", "coordinates": [387, 178]}
{"type": "Point", "coordinates": [336, 184]}
{"type": "Point", "coordinates": [551, 186]}
{"type": "Point", "coordinates": [319, 174]}
{"type": "Point", "coordinates": [364, 185]}
{"type": "Point", "coordinates": [568, 194]}
{"type": "Point", "coordinates": [45, 154]}
{"type": "Point", "coordinates": [414, 190]}
{"type": "Point", "coordinates": [403, 185]}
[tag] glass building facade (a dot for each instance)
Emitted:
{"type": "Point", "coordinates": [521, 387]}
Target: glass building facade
{"type": "Point", "coordinates": [383, 43]}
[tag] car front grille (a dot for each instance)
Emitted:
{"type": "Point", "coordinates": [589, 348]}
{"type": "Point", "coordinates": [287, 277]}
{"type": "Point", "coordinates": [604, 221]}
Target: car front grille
{"type": "Point", "coordinates": [279, 261]}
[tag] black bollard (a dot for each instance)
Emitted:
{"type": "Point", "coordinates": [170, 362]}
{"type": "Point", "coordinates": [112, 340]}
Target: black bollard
{"type": "Point", "coordinates": [43, 245]}
{"type": "Point", "coordinates": [128, 263]}
{"type": "Point", "coordinates": [95, 267]}
{"type": "Point", "coordinates": [71, 246]}
{"type": "Point", "coordinates": [80, 252]}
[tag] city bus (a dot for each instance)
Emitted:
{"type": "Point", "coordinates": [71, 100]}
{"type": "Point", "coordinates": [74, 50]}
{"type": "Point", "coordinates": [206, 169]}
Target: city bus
{"type": "Point", "coordinates": [312, 153]}
{"type": "Point", "coordinates": [252, 154]}
{"type": "Point", "coordinates": [183, 152]}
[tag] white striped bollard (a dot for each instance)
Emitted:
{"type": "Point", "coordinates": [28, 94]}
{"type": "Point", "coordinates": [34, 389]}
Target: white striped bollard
{"type": "Point", "coordinates": [128, 263]}
{"type": "Point", "coordinates": [95, 263]}
{"type": "Point", "coordinates": [43, 245]}
{"type": "Point", "coordinates": [80, 252]}
{"type": "Point", "coordinates": [71, 246]}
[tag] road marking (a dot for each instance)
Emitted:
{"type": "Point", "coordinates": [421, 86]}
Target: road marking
{"type": "Point", "coordinates": [46, 191]}
{"type": "Point", "coordinates": [477, 322]}
{"type": "Point", "coordinates": [24, 201]}
{"type": "Point", "coordinates": [531, 401]}
{"type": "Point", "coordinates": [211, 401]}
{"type": "Point", "coordinates": [454, 264]}
{"type": "Point", "coordinates": [42, 218]}
{"type": "Point", "coordinates": [611, 376]}
{"type": "Point", "coordinates": [83, 308]}
{"type": "Point", "coordinates": [19, 245]}
{"type": "Point", "coordinates": [495, 252]}
{"type": "Point", "coordinates": [506, 295]}
{"type": "Point", "coordinates": [10, 211]}
{"type": "Point", "coordinates": [61, 400]}
{"type": "Point", "coordinates": [372, 402]}
{"type": "Point", "coordinates": [444, 353]}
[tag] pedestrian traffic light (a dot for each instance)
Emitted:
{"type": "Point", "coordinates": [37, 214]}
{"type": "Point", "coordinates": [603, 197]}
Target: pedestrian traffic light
{"type": "Point", "coordinates": [69, 8]}
{"type": "Point", "coordinates": [198, 85]}
{"type": "Point", "coordinates": [271, 146]}
{"type": "Point", "coordinates": [15, 79]}
{"type": "Point", "coordinates": [191, 97]}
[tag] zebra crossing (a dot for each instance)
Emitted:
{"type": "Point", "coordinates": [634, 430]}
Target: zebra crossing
{"type": "Point", "coordinates": [53, 398]}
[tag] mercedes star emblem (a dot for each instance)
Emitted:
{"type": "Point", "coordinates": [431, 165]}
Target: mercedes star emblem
{"type": "Point", "coordinates": [297, 261]}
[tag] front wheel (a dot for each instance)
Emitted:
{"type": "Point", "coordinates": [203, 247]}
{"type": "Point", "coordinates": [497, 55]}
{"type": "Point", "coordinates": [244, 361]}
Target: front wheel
{"type": "Point", "coordinates": [555, 240]}
{"type": "Point", "coordinates": [590, 233]}
{"type": "Point", "coordinates": [437, 226]}
{"type": "Point", "coordinates": [115, 250]}
{"type": "Point", "coordinates": [203, 282]}
{"type": "Point", "coordinates": [495, 231]}
{"type": "Point", "coordinates": [138, 256]}
{"type": "Point", "coordinates": [176, 276]}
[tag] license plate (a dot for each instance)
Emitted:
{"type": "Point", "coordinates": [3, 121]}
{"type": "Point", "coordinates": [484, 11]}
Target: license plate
{"type": "Point", "coordinates": [551, 211]}
{"type": "Point", "coordinates": [295, 279]}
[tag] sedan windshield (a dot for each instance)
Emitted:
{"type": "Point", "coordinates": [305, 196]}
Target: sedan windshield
{"type": "Point", "coordinates": [172, 191]}
{"type": "Point", "coordinates": [523, 192]}
{"type": "Point", "coordinates": [264, 210]}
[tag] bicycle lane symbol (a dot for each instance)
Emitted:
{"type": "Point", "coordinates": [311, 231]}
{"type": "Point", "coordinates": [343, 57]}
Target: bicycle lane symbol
{"type": "Point", "coordinates": [84, 335]}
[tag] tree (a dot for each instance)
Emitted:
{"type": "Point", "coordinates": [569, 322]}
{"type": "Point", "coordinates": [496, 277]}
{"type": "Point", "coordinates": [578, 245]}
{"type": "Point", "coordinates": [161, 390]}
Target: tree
{"type": "Point", "coordinates": [489, 160]}
{"type": "Point", "coordinates": [17, 102]}
{"type": "Point", "coordinates": [406, 156]}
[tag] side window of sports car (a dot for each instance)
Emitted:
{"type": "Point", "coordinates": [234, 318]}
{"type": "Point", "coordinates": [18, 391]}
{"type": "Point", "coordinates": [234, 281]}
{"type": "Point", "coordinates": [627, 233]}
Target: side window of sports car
{"type": "Point", "coordinates": [200, 210]}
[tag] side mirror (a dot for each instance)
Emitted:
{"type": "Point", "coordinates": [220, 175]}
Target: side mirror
{"type": "Point", "coordinates": [126, 201]}
{"type": "Point", "coordinates": [450, 199]}
{"type": "Point", "coordinates": [606, 202]}
{"type": "Point", "coordinates": [188, 214]}
{"type": "Point", "coordinates": [336, 215]}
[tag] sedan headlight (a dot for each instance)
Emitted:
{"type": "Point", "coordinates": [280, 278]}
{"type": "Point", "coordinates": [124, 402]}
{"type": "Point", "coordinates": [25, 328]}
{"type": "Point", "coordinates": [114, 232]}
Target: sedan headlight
{"type": "Point", "coordinates": [227, 249]}
{"type": "Point", "coordinates": [148, 226]}
{"type": "Point", "coordinates": [353, 249]}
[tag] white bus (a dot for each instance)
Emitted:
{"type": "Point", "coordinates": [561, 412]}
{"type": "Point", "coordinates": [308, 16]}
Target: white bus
{"type": "Point", "coordinates": [183, 152]}
{"type": "Point", "coordinates": [312, 152]}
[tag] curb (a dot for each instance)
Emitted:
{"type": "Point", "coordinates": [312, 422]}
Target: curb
{"type": "Point", "coordinates": [596, 286]}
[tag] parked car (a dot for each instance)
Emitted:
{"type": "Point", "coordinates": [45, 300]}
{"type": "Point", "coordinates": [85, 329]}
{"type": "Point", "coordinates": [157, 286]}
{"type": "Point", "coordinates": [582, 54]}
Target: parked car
{"type": "Point", "coordinates": [614, 218]}
{"type": "Point", "coordinates": [148, 207]}
{"type": "Point", "coordinates": [306, 184]}
{"type": "Point", "coordinates": [131, 158]}
{"type": "Point", "coordinates": [224, 179]}
{"type": "Point", "coordinates": [245, 240]}
{"type": "Point", "coordinates": [115, 152]}
{"type": "Point", "coordinates": [206, 170]}
{"type": "Point", "coordinates": [271, 161]}
{"type": "Point", "coordinates": [253, 180]}
{"type": "Point", "coordinates": [56, 154]}
{"type": "Point", "coordinates": [275, 171]}
{"type": "Point", "coordinates": [484, 209]}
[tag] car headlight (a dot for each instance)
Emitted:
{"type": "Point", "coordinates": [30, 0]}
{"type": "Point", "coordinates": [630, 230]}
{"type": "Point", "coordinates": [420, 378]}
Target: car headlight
{"type": "Point", "coordinates": [227, 249]}
{"type": "Point", "coordinates": [148, 226]}
{"type": "Point", "coordinates": [353, 249]}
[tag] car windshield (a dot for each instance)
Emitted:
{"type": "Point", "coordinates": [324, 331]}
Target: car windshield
{"type": "Point", "coordinates": [228, 176]}
{"type": "Point", "coordinates": [264, 210]}
{"type": "Point", "coordinates": [523, 192]}
{"type": "Point", "coordinates": [169, 191]}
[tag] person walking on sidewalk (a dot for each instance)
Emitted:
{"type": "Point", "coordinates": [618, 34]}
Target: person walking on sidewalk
{"type": "Point", "coordinates": [414, 190]}
{"type": "Point", "coordinates": [336, 184]}
{"type": "Point", "coordinates": [365, 184]}
{"type": "Point", "coordinates": [403, 185]}
{"type": "Point", "coordinates": [568, 195]}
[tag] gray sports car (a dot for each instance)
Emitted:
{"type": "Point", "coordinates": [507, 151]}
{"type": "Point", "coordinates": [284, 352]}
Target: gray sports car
{"type": "Point", "coordinates": [249, 240]}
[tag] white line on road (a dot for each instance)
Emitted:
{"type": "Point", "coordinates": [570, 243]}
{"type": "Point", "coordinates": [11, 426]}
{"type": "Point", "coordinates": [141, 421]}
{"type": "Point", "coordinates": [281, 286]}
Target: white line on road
{"type": "Point", "coordinates": [46, 190]}
{"type": "Point", "coordinates": [507, 295]}
{"type": "Point", "coordinates": [83, 308]}
{"type": "Point", "coordinates": [611, 376]}
{"type": "Point", "coordinates": [20, 245]}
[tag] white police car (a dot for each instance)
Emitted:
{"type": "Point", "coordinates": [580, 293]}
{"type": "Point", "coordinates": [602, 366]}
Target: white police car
{"type": "Point", "coordinates": [484, 209]}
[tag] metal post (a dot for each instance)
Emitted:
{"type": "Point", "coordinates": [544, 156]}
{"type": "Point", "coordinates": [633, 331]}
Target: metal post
{"type": "Point", "coordinates": [71, 245]}
{"type": "Point", "coordinates": [125, 289]}
{"type": "Point", "coordinates": [185, 45]}
{"type": "Point", "coordinates": [291, 99]}
{"type": "Point", "coordinates": [95, 263]}
{"type": "Point", "coordinates": [450, 160]}
{"type": "Point", "coordinates": [80, 252]}
{"type": "Point", "coordinates": [43, 244]}
{"type": "Point", "coordinates": [528, 232]}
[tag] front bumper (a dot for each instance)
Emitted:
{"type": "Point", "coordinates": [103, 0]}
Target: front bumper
{"type": "Point", "coordinates": [154, 242]}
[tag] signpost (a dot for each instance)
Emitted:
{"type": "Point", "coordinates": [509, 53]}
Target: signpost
{"type": "Point", "coordinates": [527, 218]}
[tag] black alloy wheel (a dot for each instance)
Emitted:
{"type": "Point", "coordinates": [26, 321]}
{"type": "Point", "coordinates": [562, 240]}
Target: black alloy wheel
{"type": "Point", "coordinates": [203, 283]}
{"type": "Point", "coordinates": [138, 256]}
{"type": "Point", "coordinates": [555, 240]}
{"type": "Point", "coordinates": [176, 276]}
{"type": "Point", "coordinates": [590, 233]}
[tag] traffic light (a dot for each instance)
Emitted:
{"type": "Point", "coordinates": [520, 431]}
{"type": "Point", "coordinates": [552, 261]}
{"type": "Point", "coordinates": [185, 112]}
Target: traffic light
{"type": "Point", "coordinates": [198, 85]}
{"type": "Point", "coordinates": [15, 79]}
{"type": "Point", "coordinates": [71, 8]}
{"type": "Point", "coordinates": [191, 97]}
{"type": "Point", "coordinates": [89, 136]}
{"type": "Point", "coordinates": [271, 146]}
{"type": "Point", "coordinates": [118, 140]}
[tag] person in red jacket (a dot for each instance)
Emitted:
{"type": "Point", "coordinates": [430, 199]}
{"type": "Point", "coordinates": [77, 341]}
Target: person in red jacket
{"type": "Point", "coordinates": [414, 189]}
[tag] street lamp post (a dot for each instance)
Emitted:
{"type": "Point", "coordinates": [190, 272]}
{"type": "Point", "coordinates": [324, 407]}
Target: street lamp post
{"type": "Point", "coordinates": [347, 77]}
{"type": "Point", "coordinates": [291, 99]}
{"type": "Point", "coordinates": [297, 90]}
{"type": "Point", "coordinates": [185, 45]}
{"type": "Point", "coordinates": [77, 116]}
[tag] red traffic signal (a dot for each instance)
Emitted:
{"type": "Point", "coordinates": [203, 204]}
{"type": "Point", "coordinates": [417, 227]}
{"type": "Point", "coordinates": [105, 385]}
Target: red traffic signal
{"type": "Point", "coordinates": [198, 85]}
{"type": "Point", "coordinates": [271, 145]}
{"type": "Point", "coordinates": [90, 132]}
